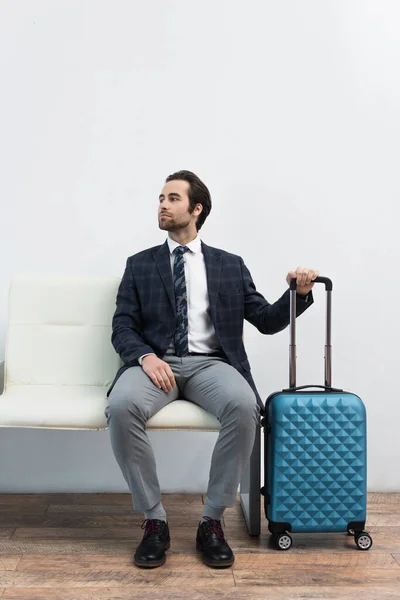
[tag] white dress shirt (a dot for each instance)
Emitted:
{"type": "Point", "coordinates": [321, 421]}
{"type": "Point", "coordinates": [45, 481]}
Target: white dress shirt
{"type": "Point", "coordinates": [201, 333]}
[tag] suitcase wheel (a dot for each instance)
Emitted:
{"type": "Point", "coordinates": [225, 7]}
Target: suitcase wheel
{"type": "Point", "coordinates": [363, 540]}
{"type": "Point", "coordinates": [282, 541]}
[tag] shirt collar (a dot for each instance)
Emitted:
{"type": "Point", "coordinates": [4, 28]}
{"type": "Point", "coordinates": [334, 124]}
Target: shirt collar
{"type": "Point", "coordinates": [194, 245]}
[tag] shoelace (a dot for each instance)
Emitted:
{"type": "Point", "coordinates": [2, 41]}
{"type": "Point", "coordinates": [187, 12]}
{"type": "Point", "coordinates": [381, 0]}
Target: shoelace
{"type": "Point", "coordinates": [213, 526]}
{"type": "Point", "coordinates": [152, 526]}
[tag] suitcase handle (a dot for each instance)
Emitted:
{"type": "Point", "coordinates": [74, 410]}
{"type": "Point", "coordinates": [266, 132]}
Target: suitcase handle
{"type": "Point", "coordinates": [302, 387]}
{"type": "Point", "coordinates": [328, 283]}
{"type": "Point", "coordinates": [328, 344]}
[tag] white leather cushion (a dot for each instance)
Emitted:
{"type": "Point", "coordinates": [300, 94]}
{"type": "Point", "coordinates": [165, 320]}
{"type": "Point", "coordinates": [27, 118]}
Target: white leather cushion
{"type": "Point", "coordinates": [182, 414]}
{"type": "Point", "coordinates": [59, 331]}
{"type": "Point", "coordinates": [62, 300]}
{"type": "Point", "coordinates": [82, 407]}
{"type": "Point", "coordinates": [60, 360]}
{"type": "Point", "coordinates": [56, 354]}
{"type": "Point", "coordinates": [61, 407]}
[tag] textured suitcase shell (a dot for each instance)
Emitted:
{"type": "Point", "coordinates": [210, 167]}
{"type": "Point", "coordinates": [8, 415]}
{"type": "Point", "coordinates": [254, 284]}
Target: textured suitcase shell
{"type": "Point", "coordinates": [316, 461]}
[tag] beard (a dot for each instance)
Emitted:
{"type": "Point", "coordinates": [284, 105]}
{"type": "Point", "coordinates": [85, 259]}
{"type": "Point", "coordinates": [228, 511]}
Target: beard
{"type": "Point", "coordinates": [171, 224]}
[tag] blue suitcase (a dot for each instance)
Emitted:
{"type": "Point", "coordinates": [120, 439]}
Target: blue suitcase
{"type": "Point", "coordinates": [314, 453]}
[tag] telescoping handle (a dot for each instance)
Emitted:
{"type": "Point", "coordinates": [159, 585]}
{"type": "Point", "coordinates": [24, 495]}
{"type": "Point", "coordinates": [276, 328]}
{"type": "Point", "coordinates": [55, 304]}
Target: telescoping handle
{"type": "Point", "coordinates": [328, 345]}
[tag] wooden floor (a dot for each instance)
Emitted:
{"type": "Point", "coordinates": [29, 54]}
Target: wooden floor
{"type": "Point", "coordinates": [80, 546]}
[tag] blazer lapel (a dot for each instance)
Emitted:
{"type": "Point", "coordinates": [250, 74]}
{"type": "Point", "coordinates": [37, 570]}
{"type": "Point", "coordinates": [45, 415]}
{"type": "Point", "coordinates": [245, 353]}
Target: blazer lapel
{"type": "Point", "coordinates": [163, 262]}
{"type": "Point", "coordinates": [212, 259]}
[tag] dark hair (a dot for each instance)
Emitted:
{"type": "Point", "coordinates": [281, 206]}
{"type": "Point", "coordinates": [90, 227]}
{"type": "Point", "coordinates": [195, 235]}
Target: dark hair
{"type": "Point", "coordinates": [198, 194]}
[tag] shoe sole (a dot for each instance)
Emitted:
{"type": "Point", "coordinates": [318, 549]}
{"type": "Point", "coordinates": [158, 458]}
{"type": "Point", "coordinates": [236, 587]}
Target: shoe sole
{"type": "Point", "coordinates": [216, 564]}
{"type": "Point", "coordinates": [154, 563]}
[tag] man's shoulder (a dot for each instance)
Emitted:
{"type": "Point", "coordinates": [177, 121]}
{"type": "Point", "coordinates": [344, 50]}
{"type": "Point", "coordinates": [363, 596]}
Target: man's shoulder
{"type": "Point", "coordinates": [145, 254]}
{"type": "Point", "coordinates": [228, 255]}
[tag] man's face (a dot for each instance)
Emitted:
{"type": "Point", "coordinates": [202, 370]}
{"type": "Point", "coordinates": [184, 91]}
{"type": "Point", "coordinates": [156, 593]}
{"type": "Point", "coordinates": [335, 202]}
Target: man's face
{"type": "Point", "coordinates": [173, 209]}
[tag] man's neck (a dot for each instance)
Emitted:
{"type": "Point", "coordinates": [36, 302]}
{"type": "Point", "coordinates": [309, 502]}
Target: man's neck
{"type": "Point", "coordinates": [182, 238]}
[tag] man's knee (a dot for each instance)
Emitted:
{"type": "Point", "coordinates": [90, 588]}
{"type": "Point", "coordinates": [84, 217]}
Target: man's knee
{"type": "Point", "coordinates": [125, 401]}
{"type": "Point", "coordinates": [242, 406]}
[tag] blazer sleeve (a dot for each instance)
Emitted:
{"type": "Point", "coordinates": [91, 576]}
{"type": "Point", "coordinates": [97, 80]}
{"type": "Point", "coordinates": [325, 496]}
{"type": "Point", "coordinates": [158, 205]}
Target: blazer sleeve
{"type": "Point", "coordinates": [127, 321]}
{"type": "Point", "coordinates": [269, 318]}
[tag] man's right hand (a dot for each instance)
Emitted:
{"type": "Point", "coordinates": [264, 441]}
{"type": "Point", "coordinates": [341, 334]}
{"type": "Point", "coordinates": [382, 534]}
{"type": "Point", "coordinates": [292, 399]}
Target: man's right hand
{"type": "Point", "coordinates": [159, 372]}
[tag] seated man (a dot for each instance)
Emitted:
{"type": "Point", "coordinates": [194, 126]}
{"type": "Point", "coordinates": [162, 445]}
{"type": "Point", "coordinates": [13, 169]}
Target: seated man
{"type": "Point", "coordinates": [178, 328]}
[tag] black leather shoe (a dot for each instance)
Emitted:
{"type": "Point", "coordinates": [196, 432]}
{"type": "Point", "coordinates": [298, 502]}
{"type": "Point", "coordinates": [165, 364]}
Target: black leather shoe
{"type": "Point", "coordinates": [151, 550]}
{"type": "Point", "coordinates": [211, 542]}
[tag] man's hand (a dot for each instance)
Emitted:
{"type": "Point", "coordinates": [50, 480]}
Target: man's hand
{"type": "Point", "coordinates": [159, 372]}
{"type": "Point", "coordinates": [305, 279]}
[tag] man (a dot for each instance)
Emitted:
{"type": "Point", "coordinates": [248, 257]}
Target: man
{"type": "Point", "coordinates": [178, 328]}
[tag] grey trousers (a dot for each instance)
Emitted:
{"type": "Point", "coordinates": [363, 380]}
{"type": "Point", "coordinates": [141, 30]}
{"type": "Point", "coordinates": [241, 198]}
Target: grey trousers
{"type": "Point", "coordinates": [211, 383]}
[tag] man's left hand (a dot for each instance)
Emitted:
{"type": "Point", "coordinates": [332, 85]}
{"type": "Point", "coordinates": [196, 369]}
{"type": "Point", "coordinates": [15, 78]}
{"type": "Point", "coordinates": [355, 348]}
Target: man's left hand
{"type": "Point", "coordinates": [305, 279]}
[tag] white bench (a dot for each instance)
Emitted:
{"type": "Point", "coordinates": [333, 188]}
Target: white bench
{"type": "Point", "coordinates": [59, 364]}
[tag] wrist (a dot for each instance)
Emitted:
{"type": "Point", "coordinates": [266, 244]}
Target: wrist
{"type": "Point", "coordinates": [147, 356]}
{"type": "Point", "coordinates": [304, 297]}
{"type": "Point", "coordinates": [141, 358]}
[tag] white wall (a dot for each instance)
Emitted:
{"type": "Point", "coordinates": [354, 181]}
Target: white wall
{"type": "Point", "coordinates": [288, 110]}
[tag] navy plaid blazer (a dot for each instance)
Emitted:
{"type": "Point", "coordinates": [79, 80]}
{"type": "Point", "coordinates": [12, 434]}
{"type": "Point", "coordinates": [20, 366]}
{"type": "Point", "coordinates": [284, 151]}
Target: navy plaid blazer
{"type": "Point", "coordinates": [145, 319]}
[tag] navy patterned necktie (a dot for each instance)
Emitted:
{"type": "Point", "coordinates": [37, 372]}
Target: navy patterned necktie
{"type": "Point", "coordinates": [181, 332]}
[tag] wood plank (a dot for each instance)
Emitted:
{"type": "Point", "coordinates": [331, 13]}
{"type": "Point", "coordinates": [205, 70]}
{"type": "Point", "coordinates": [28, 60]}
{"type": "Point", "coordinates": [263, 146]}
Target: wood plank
{"type": "Point", "coordinates": [83, 522]}
{"type": "Point", "coordinates": [383, 507]}
{"type": "Point", "coordinates": [340, 560]}
{"type": "Point", "coordinates": [36, 510]}
{"type": "Point", "coordinates": [134, 577]}
{"type": "Point", "coordinates": [173, 593]}
{"type": "Point", "coordinates": [171, 500]}
{"type": "Point", "coordinates": [15, 520]}
{"type": "Point", "coordinates": [65, 498]}
{"type": "Point", "coordinates": [6, 532]}
{"type": "Point", "coordinates": [93, 562]}
{"type": "Point", "coordinates": [92, 516]}
{"type": "Point", "coordinates": [182, 533]}
{"type": "Point", "coordinates": [382, 519]}
{"type": "Point", "coordinates": [174, 508]}
{"type": "Point", "coordinates": [94, 546]}
{"type": "Point", "coordinates": [396, 558]}
{"type": "Point", "coordinates": [383, 498]}
{"type": "Point", "coordinates": [328, 576]}
{"type": "Point", "coordinates": [77, 547]}
{"type": "Point", "coordinates": [22, 500]}
{"type": "Point", "coordinates": [193, 561]}
{"type": "Point", "coordinates": [9, 562]}
{"type": "Point", "coordinates": [80, 533]}
{"type": "Point", "coordinates": [226, 592]}
{"type": "Point", "coordinates": [121, 499]}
